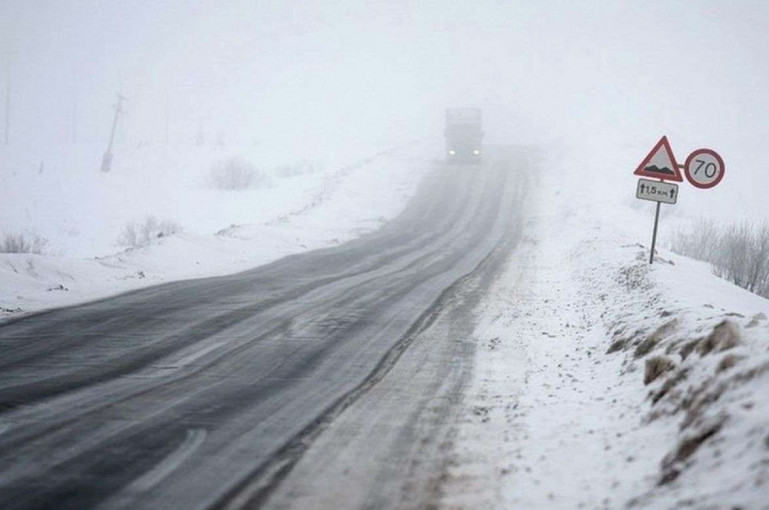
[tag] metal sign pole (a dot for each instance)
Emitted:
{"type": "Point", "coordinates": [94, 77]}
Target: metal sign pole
{"type": "Point", "coordinates": [654, 235]}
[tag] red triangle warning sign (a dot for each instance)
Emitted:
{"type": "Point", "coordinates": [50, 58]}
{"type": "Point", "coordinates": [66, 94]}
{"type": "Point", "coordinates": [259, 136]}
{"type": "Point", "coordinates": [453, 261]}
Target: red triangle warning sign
{"type": "Point", "coordinates": [660, 163]}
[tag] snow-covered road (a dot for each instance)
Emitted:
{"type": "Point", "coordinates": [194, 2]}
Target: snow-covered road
{"type": "Point", "coordinates": [205, 392]}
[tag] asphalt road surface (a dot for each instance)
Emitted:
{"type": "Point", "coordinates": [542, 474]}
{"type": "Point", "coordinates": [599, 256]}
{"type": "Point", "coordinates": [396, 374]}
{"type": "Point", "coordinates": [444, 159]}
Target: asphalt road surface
{"type": "Point", "coordinates": [323, 380]}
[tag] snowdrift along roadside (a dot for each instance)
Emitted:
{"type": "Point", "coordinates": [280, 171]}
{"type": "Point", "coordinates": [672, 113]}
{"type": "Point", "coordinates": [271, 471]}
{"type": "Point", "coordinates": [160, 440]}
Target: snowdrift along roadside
{"type": "Point", "coordinates": [223, 232]}
{"type": "Point", "coordinates": [602, 382]}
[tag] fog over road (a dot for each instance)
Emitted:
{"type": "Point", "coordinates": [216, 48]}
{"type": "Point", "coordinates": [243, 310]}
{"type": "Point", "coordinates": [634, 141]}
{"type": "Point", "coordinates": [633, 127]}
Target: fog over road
{"type": "Point", "coordinates": [328, 377]}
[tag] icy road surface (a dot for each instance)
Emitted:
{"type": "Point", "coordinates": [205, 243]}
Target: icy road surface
{"type": "Point", "coordinates": [325, 377]}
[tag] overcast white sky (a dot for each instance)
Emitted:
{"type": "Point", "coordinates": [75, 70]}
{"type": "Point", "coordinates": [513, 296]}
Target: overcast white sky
{"type": "Point", "coordinates": [385, 70]}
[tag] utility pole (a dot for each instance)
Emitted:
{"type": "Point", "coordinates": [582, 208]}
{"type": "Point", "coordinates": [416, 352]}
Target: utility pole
{"type": "Point", "coordinates": [167, 119]}
{"type": "Point", "coordinates": [8, 102]}
{"type": "Point", "coordinates": [106, 162]}
{"type": "Point", "coordinates": [200, 138]}
{"type": "Point", "coordinates": [74, 115]}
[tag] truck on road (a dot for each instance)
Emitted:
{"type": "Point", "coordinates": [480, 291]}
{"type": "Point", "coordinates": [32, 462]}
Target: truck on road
{"type": "Point", "coordinates": [464, 135]}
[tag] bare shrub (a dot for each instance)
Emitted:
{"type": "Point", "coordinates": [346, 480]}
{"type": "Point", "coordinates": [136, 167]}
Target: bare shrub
{"type": "Point", "coordinates": [697, 242]}
{"type": "Point", "coordinates": [738, 253]}
{"type": "Point", "coordinates": [758, 263]}
{"type": "Point", "coordinates": [17, 242]}
{"type": "Point", "coordinates": [733, 258]}
{"type": "Point", "coordinates": [135, 235]}
{"type": "Point", "coordinates": [235, 174]}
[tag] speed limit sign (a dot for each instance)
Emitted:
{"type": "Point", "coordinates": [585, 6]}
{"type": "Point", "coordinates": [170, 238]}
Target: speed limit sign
{"type": "Point", "coordinates": [704, 168]}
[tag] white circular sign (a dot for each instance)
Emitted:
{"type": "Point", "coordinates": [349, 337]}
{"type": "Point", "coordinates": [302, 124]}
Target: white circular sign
{"type": "Point", "coordinates": [704, 168]}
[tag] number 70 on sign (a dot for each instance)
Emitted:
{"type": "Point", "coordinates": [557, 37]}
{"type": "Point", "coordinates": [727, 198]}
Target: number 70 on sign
{"type": "Point", "coordinates": [704, 168]}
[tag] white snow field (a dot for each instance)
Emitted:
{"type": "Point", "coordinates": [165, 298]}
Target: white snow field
{"type": "Point", "coordinates": [602, 382]}
{"type": "Point", "coordinates": [293, 204]}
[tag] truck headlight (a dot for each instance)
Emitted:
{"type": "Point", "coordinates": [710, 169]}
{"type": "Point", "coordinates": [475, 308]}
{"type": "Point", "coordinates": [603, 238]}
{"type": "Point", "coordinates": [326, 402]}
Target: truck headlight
{"type": "Point", "coordinates": [452, 152]}
{"type": "Point", "coordinates": [477, 152]}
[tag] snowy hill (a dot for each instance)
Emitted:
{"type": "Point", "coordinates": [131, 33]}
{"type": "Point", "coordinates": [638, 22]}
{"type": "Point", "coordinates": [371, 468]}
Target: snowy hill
{"type": "Point", "coordinates": [292, 205]}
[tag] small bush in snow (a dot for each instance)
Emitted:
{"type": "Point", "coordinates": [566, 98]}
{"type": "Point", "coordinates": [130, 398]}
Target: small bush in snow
{"type": "Point", "coordinates": [698, 242]}
{"type": "Point", "coordinates": [139, 234]}
{"type": "Point", "coordinates": [235, 174]}
{"type": "Point", "coordinates": [22, 243]}
{"type": "Point", "coordinates": [738, 253]}
{"type": "Point", "coordinates": [301, 167]}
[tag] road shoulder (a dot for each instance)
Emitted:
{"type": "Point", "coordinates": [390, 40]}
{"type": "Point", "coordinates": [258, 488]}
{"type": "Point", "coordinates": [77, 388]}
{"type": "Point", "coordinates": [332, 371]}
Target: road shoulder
{"type": "Point", "coordinates": [601, 382]}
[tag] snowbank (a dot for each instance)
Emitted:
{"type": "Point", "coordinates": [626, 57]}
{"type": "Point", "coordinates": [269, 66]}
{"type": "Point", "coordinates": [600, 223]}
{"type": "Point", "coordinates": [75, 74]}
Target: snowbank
{"type": "Point", "coordinates": [602, 382]}
{"type": "Point", "coordinates": [300, 204]}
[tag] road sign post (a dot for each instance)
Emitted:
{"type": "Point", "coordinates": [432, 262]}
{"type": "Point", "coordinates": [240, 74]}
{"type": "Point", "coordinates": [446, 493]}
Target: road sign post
{"type": "Point", "coordinates": [654, 234]}
{"type": "Point", "coordinates": [658, 164]}
{"type": "Point", "coordinates": [656, 191]}
{"type": "Point", "coordinates": [704, 169]}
